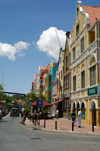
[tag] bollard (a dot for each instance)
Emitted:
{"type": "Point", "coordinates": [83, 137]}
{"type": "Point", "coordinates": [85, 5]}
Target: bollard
{"type": "Point", "coordinates": [44, 123]}
{"type": "Point", "coordinates": [55, 125]}
{"type": "Point", "coordinates": [92, 127]}
{"type": "Point", "coordinates": [72, 126]}
{"type": "Point", "coordinates": [35, 122]}
{"type": "Point", "coordinates": [39, 122]}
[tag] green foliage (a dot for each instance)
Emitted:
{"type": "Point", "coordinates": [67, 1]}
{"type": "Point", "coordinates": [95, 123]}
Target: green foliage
{"type": "Point", "coordinates": [30, 97]}
{"type": "Point", "coordinates": [1, 87]}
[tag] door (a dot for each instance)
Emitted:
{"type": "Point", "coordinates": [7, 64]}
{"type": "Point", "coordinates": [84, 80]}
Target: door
{"type": "Point", "coordinates": [94, 113]}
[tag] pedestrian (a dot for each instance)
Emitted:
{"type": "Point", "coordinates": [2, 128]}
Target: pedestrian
{"type": "Point", "coordinates": [0, 114]}
{"type": "Point", "coordinates": [73, 115]}
{"type": "Point", "coordinates": [79, 118]}
{"type": "Point", "coordinates": [23, 118]}
{"type": "Point", "coordinates": [57, 113]}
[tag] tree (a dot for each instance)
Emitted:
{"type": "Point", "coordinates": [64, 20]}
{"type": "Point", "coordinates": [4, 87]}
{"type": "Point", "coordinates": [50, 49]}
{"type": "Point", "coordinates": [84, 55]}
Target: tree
{"type": "Point", "coordinates": [1, 87]}
{"type": "Point", "coordinates": [30, 97]}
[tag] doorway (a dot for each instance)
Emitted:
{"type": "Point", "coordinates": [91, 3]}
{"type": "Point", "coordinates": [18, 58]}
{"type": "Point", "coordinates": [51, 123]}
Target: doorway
{"type": "Point", "coordinates": [93, 107]}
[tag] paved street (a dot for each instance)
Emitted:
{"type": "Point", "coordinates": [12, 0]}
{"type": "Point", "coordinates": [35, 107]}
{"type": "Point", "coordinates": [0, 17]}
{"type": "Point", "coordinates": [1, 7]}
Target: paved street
{"type": "Point", "coordinates": [14, 137]}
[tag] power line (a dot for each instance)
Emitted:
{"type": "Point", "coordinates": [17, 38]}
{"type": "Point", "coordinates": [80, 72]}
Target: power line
{"type": "Point", "coordinates": [58, 38]}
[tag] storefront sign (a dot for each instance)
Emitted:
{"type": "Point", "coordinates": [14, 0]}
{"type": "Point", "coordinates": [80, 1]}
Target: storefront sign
{"type": "Point", "coordinates": [93, 91]}
{"type": "Point", "coordinates": [30, 104]}
{"type": "Point", "coordinates": [39, 102]}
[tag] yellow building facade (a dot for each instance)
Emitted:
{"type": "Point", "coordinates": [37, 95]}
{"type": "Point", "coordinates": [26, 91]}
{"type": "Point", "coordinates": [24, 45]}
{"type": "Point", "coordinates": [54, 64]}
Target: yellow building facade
{"type": "Point", "coordinates": [85, 64]}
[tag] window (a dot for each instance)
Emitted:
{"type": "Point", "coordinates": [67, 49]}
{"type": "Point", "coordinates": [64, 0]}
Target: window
{"type": "Point", "coordinates": [61, 75]}
{"type": "Point", "coordinates": [93, 75]}
{"type": "Point", "coordinates": [77, 11]}
{"type": "Point", "coordinates": [82, 44]}
{"type": "Point", "coordinates": [67, 80]}
{"type": "Point", "coordinates": [49, 97]}
{"type": "Point", "coordinates": [83, 110]}
{"type": "Point", "coordinates": [74, 83]}
{"type": "Point", "coordinates": [77, 29]}
{"type": "Point", "coordinates": [74, 53]}
{"type": "Point", "coordinates": [66, 62]}
{"type": "Point", "coordinates": [64, 82]}
{"type": "Point", "coordinates": [83, 79]}
{"type": "Point", "coordinates": [50, 80]}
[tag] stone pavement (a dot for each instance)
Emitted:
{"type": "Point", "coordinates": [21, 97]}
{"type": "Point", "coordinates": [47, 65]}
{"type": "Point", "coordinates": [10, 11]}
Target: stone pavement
{"type": "Point", "coordinates": [63, 125]}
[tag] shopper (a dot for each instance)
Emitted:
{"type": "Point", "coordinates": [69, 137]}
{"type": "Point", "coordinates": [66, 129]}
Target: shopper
{"type": "Point", "coordinates": [79, 118]}
{"type": "Point", "coordinates": [73, 115]}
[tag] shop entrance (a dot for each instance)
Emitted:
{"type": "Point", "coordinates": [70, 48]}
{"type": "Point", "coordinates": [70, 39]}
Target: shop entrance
{"type": "Point", "coordinates": [60, 108]}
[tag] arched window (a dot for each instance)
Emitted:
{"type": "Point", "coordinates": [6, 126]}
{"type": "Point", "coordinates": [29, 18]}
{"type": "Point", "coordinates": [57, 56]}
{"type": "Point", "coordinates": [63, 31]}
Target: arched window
{"type": "Point", "coordinates": [73, 105]}
{"type": "Point", "coordinates": [83, 110]}
{"type": "Point", "coordinates": [93, 75]}
{"type": "Point", "coordinates": [78, 107]}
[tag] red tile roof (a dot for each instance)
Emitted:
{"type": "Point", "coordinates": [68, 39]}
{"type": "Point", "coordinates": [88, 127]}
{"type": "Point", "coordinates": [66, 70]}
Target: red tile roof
{"type": "Point", "coordinates": [41, 67]}
{"type": "Point", "coordinates": [93, 12]}
{"type": "Point", "coordinates": [35, 75]}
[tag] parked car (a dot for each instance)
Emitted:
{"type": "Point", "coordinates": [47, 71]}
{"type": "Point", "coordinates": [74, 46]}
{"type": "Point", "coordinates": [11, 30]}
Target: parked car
{"type": "Point", "coordinates": [14, 112]}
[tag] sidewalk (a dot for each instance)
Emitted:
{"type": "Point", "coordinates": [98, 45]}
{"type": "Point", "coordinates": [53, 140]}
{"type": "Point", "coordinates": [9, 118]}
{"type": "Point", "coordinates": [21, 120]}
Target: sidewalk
{"type": "Point", "coordinates": [63, 125]}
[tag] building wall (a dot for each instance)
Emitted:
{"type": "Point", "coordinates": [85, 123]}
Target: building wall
{"type": "Point", "coordinates": [60, 72]}
{"type": "Point", "coordinates": [83, 62]}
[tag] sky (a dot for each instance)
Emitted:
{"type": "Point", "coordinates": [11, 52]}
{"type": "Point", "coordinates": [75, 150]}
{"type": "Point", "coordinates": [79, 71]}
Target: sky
{"type": "Point", "coordinates": [28, 37]}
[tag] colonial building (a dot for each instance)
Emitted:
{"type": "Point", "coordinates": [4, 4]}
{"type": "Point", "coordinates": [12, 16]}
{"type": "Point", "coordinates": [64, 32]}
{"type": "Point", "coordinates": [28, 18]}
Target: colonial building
{"type": "Point", "coordinates": [60, 82]}
{"type": "Point", "coordinates": [66, 77]}
{"type": "Point", "coordinates": [85, 63]}
{"type": "Point", "coordinates": [54, 89]}
{"type": "Point", "coordinates": [48, 82]}
{"type": "Point", "coordinates": [38, 88]}
{"type": "Point", "coordinates": [42, 79]}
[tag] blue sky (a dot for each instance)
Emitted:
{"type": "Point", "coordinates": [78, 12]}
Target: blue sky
{"type": "Point", "coordinates": [27, 30]}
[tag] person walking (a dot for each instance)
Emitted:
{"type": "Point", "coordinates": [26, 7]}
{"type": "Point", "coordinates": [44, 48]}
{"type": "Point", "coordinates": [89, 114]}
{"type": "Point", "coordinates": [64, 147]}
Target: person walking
{"type": "Point", "coordinates": [57, 114]}
{"type": "Point", "coordinates": [79, 118]}
{"type": "Point", "coordinates": [73, 115]}
{"type": "Point", "coordinates": [0, 114]}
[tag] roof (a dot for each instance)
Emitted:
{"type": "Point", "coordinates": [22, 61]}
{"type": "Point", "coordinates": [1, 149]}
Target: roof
{"type": "Point", "coordinates": [2, 102]}
{"type": "Point", "coordinates": [41, 67]}
{"type": "Point", "coordinates": [54, 63]}
{"type": "Point", "coordinates": [35, 75]}
{"type": "Point", "coordinates": [93, 12]}
{"type": "Point", "coordinates": [20, 101]}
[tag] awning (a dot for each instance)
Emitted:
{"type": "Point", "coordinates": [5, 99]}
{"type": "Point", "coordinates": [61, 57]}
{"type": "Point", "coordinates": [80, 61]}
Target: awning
{"type": "Point", "coordinates": [2, 102]}
{"type": "Point", "coordinates": [57, 101]}
{"type": "Point", "coordinates": [45, 104]}
{"type": "Point", "coordinates": [20, 101]}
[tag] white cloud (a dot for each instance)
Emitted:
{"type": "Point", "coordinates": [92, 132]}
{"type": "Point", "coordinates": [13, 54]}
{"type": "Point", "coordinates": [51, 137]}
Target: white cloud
{"type": "Point", "coordinates": [10, 51]}
{"type": "Point", "coordinates": [21, 45]}
{"type": "Point", "coordinates": [48, 41]}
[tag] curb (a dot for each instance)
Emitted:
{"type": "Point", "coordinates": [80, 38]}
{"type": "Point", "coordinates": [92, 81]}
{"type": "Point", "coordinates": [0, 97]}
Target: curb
{"type": "Point", "coordinates": [58, 131]}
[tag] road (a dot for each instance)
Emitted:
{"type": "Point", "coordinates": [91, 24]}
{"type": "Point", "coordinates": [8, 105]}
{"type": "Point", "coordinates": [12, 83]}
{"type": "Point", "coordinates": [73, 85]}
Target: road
{"type": "Point", "coordinates": [16, 137]}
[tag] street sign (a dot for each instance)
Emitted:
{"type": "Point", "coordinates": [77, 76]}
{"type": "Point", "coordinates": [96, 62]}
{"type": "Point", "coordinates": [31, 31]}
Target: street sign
{"type": "Point", "coordinates": [30, 104]}
{"type": "Point", "coordinates": [39, 102]}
